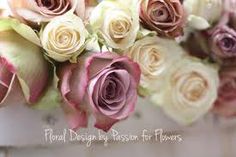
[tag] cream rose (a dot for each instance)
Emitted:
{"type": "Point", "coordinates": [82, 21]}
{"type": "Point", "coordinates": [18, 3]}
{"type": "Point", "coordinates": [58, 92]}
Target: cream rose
{"type": "Point", "coordinates": [190, 90]}
{"type": "Point", "coordinates": [155, 56]}
{"type": "Point", "coordinates": [117, 22]}
{"type": "Point", "coordinates": [64, 37]}
{"type": "Point", "coordinates": [202, 13]}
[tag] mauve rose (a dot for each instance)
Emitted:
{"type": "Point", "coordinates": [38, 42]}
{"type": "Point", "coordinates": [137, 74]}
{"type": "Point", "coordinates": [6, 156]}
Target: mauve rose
{"type": "Point", "coordinates": [102, 84]}
{"type": "Point", "coordinates": [45, 10]}
{"type": "Point", "coordinates": [226, 102]}
{"type": "Point", "coordinates": [163, 16]}
{"type": "Point", "coordinates": [222, 42]}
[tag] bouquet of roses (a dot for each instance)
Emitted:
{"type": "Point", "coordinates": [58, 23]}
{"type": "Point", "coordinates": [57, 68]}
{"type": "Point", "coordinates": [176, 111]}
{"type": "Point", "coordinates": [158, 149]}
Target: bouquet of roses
{"type": "Point", "coordinates": [94, 58]}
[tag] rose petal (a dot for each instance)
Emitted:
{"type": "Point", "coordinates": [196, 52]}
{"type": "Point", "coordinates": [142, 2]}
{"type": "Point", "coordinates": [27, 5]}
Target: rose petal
{"type": "Point", "coordinates": [32, 69]}
{"type": "Point", "coordinates": [104, 123]}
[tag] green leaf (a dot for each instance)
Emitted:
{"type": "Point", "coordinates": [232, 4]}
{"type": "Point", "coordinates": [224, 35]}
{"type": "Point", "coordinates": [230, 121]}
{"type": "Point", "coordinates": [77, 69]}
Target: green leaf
{"type": "Point", "coordinates": [52, 97]}
{"type": "Point", "coordinates": [22, 29]}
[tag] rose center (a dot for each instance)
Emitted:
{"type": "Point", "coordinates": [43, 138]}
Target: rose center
{"type": "Point", "coordinates": [119, 29]}
{"type": "Point", "coordinates": [47, 3]}
{"type": "Point", "coordinates": [160, 14]}
{"type": "Point", "coordinates": [110, 89]}
{"type": "Point", "coordinates": [53, 7]}
{"type": "Point", "coordinates": [228, 43]}
{"type": "Point", "coordinates": [155, 59]}
{"type": "Point", "coordinates": [193, 87]}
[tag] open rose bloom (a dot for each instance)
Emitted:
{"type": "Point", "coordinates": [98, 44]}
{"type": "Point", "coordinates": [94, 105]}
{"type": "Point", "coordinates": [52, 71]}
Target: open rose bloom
{"type": "Point", "coordinates": [45, 10]}
{"type": "Point", "coordinates": [103, 85]}
{"type": "Point", "coordinates": [164, 16]}
{"type": "Point", "coordinates": [94, 58]}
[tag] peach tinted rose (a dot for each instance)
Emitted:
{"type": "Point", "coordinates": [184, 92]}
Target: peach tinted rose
{"type": "Point", "coordinates": [163, 16]}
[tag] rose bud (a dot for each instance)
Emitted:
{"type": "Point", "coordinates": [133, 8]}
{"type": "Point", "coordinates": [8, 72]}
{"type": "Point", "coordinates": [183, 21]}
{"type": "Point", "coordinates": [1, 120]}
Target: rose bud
{"type": "Point", "coordinates": [23, 68]}
{"type": "Point", "coordinates": [189, 90]}
{"type": "Point", "coordinates": [166, 17]}
{"type": "Point", "coordinates": [225, 105]}
{"type": "Point", "coordinates": [64, 37]}
{"type": "Point", "coordinates": [44, 10]}
{"type": "Point", "coordinates": [101, 84]}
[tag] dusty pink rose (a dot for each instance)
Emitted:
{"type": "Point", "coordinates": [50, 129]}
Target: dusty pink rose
{"type": "Point", "coordinates": [44, 10]}
{"type": "Point", "coordinates": [226, 102]}
{"type": "Point", "coordinates": [23, 69]}
{"type": "Point", "coordinates": [163, 16]}
{"type": "Point", "coordinates": [101, 84]}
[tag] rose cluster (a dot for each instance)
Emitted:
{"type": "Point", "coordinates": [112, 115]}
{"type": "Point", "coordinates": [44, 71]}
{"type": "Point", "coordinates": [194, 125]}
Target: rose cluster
{"type": "Point", "coordinates": [94, 58]}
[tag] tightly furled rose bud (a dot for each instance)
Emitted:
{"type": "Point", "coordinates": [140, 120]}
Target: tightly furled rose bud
{"type": "Point", "coordinates": [154, 56]}
{"type": "Point", "coordinates": [163, 16]}
{"type": "Point", "coordinates": [23, 68]}
{"type": "Point", "coordinates": [226, 102]}
{"type": "Point", "coordinates": [64, 37]}
{"type": "Point", "coordinates": [117, 22]}
{"type": "Point", "coordinates": [102, 84]}
{"type": "Point", "coordinates": [203, 13]}
{"type": "Point", "coordinates": [45, 10]}
{"type": "Point", "coordinates": [189, 90]}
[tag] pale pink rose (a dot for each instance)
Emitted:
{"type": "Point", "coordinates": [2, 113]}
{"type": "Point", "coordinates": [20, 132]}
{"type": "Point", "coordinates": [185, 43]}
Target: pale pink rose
{"type": "Point", "coordinates": [23, 70]}
{"type": "Point", "coordinates": [101, 84]}
{"type": "Point", "coordinates": [45, 10]}
{"type": "Point", "coordinates": [163, 16]}
{"type": "Point", "coordinates": [226, 102]}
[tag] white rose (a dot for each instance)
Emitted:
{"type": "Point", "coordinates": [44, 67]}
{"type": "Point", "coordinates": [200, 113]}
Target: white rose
{"type": "Point", "coordinates": [117, 21]}
{"type": "Point", "coordinates": [202, 13]}
{"type": "Point", "coordinates": [64, 37]}
{"type": "Point", "coordinates": [154, 56]}
{"type": "Point", "coordinates": [190, 90]}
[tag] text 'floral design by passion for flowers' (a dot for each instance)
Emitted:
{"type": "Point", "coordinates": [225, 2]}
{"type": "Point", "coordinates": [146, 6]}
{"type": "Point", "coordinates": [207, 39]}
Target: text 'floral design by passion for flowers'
{"type": "Point", "coordinates": [94, 58]}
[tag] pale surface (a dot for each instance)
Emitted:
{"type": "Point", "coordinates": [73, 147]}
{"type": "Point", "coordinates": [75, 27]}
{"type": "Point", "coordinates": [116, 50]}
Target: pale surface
{"type": "Point", "coordinates": [22, 129]}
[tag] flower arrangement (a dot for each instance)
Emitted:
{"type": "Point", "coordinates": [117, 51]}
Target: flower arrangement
{"type": "Point", "coordinates": [93, 59]}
